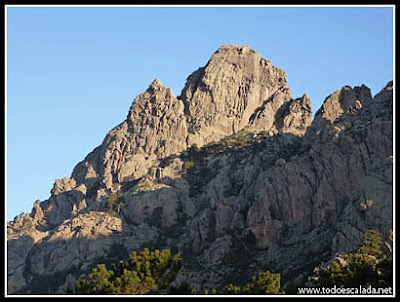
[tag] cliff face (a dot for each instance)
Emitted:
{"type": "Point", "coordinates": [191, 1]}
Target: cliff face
{"type": "Point", "coordinates": [232, 92]}
{"type": "Point", "coordinates": [236, 89]}
{"type": "Point", "coordinates": [232, 169]}
{"type": "Point", "coordinates": [154, 128]}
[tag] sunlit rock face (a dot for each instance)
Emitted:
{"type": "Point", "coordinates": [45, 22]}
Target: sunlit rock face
{"type": "Point", "coordinates": [155, 128]}
{"type": "Point", "coordinates": [236, 89]}
{"type": "Point", "coordinates": [221, 97]}
{"type": "Point", "coordinates": [233, 168]}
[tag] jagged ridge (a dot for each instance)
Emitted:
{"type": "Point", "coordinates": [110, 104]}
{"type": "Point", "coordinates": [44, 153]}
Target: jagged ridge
{"type": "Point", "coordinates": [232, 166]}
{"type": "Point", "coordinates": [236, 89]}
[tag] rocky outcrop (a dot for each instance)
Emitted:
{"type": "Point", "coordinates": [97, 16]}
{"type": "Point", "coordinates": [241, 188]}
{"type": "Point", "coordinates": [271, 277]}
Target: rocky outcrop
{"type": "Point", "coordinates": [281, 114]}
{"type": "Point", "coordinates": [331, 194]}
{"type": "Point", "coordinates": [237, 88]}
{"type": "Point", "coordinates": [155, 128]}
{"type": "Point", "coordinates": [232, 174]}
{"type": "Point", "coordinates": [52, 261]}
{"type": "Point", "coordinates": [221, 97]}
{"type": "Point", "coordinates": [342, 102]}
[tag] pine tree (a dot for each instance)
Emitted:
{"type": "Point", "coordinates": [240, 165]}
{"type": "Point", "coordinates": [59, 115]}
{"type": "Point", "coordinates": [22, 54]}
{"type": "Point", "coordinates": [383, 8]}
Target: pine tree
{"type": "Point", "coordinates": [367, 266]}
{"type": "Point", "coordinates": [265, 283]}
{"type": "Point", "coordinates": [372, 244]}
{"type": "Point", "coordinates": [143, 273]}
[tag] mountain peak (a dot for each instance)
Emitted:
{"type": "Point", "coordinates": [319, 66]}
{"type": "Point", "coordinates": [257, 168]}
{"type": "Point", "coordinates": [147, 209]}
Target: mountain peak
{"type": "Point", "coordinates": [221, 97]}
{"type": "Point", "coordinates": [236, 89]}
{"type": "Point", "coordinates": [239, 49]}
{"type": "Point", "coordinates": [341, 102]}
{"type": "Point", "coordinates": [260, 179]}
{"type": "Point", "coordinates": [156, 84]}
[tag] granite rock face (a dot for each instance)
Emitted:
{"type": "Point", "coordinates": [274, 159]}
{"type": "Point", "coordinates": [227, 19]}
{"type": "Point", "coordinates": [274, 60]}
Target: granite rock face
{"type": "Point", "coordinates": [221, 97]}
{"type": "Point", "coordinates": [344, 101]}
{"type": "Point", "coordinates": [155, 128]}
{"type": "Point", "coordinates": [236, 89]}
{"type": "Point", "coordinates": [233, 174]}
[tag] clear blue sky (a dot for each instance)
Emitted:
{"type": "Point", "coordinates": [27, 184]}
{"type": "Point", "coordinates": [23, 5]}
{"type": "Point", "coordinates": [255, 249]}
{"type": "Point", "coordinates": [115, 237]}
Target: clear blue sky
{"type": "Point", "coordinates": [72, 72]}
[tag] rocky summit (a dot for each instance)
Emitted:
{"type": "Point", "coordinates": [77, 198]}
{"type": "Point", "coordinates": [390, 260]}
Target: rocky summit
{"type": "Point", "coordinates": [233, 174]}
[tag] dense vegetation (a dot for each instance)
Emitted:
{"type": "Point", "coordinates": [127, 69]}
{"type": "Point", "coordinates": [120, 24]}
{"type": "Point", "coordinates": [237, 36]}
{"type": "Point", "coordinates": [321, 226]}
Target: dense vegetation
{"type": "Point", "coordinates": [143, 273]}
{"type": "Point", "coordinates": [369, 265]}
{"type": "Point", "coordinates": [265, 283]}
{"type": "Point", "coordinates": [153, 272]}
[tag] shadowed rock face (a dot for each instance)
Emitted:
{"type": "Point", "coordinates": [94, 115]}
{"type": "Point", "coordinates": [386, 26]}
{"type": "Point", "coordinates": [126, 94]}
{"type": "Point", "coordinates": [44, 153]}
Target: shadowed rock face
{"type": "Point", "coordinates": [233, 169]}
{"type": "Point", "coordinates": [313, 188]}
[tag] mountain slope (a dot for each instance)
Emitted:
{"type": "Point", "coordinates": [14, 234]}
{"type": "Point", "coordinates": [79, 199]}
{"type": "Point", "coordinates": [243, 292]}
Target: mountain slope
{"type": "Point", "coordinates": [233, 174]}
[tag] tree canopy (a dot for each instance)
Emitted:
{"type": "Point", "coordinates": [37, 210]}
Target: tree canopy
{"type": "Point", "coordinates": [369, 265]}
{"type": "Point", "coordinates": [143, 273]}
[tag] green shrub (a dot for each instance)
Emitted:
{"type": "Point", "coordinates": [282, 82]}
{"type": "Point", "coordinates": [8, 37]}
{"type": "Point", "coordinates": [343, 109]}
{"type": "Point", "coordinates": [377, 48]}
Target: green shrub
{"type": "Point", "coordinates": [115, 202]}
{"type": "Point", "coordinates": [143, 273]}
{"type": "Point", "coordinates": [265, 283]}
{"type": "Point", "coordinates": [367, 266]}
